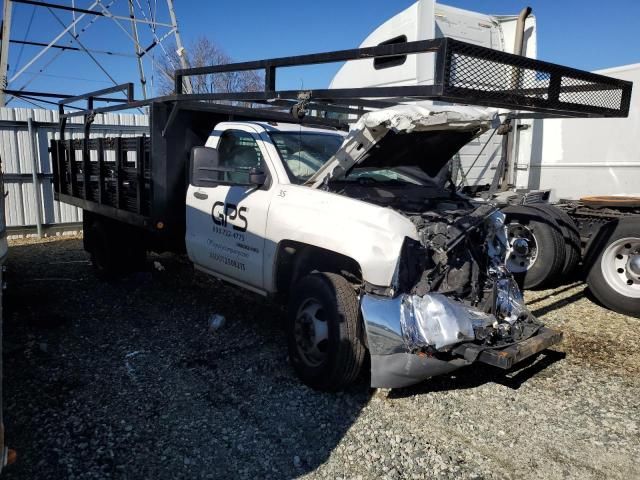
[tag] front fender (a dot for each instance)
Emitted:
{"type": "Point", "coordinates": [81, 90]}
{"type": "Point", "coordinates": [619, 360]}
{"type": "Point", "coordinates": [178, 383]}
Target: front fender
{"type": "Point", "coordinates": [367, 233]}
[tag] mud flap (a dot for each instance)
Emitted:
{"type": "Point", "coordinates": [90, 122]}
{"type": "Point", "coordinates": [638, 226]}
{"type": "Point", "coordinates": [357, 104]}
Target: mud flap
{"type": "Point", "coordinates": [507, 357]}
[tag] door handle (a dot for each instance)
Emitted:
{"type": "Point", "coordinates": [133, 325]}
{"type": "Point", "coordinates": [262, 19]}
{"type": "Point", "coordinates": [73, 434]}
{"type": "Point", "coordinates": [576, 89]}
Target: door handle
{"type": "Point", "coordinates": [200, 195]}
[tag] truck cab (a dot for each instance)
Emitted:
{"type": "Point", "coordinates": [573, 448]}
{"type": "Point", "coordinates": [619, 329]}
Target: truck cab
{"type": "Point", "coordinates": [227, 223]}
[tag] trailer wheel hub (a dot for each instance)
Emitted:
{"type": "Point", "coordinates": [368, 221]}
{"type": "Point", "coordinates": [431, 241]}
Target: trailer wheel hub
{"type": "Point", "coordinates": [634, 265]}
{"type": "Point", "coordinates": [620, 266]}
{"type": "Point", "coordinates": [521, 246]}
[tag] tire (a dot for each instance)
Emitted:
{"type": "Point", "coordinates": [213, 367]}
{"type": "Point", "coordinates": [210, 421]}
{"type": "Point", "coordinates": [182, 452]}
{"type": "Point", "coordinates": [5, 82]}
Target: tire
{"type": "Point", "coordinates": [543, 256]}
{"type": "Point", "coordinates": [570, 234]}
{"type": "Point", "coordinates": [104, 260]}
{"type": "Point", "coordinates": [614, 269]}
{"type": "Point", "coordinates": [114, 249]}
{"type": "Point", "coordinates": [327, 305]}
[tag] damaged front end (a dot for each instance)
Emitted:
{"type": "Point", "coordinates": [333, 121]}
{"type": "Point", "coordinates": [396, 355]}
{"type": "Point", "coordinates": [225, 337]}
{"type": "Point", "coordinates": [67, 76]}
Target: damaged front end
{"type": "Point", "coordinates": [457, 303]}
{"type": "Point", "coordinates": [452, 301]}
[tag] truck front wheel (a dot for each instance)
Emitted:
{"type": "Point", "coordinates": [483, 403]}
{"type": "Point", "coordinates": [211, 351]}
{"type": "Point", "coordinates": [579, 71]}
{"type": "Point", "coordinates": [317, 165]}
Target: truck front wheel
{"type": "Point", "coordinates": [324, 331]}
{"type": "Point", "coordinates": [614, 272]}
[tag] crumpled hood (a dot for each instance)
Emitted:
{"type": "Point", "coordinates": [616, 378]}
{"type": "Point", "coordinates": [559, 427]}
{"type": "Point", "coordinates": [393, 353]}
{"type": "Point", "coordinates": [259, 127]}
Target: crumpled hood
{"type": "Point", "coordinates": [414, 120]}
{"type": "Point", "coordinates": [409, 118]}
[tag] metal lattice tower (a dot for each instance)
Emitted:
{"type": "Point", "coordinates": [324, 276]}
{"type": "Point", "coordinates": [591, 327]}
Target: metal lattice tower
{"type": "Point", "coordinates": [141, 28]}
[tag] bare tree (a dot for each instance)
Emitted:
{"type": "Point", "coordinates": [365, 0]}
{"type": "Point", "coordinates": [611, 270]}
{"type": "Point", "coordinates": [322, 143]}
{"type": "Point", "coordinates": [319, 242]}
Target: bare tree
{"type": "Point", "coordinates": [203, 52]}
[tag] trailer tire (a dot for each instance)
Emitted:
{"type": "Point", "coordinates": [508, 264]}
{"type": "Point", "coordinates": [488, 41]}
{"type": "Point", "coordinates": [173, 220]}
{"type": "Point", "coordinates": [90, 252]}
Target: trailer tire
{"type": "Point", "coordinates": [324, 331]}
{"type": "Point", "coordinates": [614, 267]}
{"type": "Point", "coordinates": [538, 258]}
{"type": "Point", "coordinates": [570, 235]}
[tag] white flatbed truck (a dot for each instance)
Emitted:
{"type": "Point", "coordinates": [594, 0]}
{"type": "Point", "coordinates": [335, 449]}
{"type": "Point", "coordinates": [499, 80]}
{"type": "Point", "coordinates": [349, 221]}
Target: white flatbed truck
{"type": "Point", "coordinates": [356, 227]}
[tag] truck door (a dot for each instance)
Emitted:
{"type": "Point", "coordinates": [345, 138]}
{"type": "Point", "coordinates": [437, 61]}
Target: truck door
{"type": "Point", "coordinates": [226, 224]}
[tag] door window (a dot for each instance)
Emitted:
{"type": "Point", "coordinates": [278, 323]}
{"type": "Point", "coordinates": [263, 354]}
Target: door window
{"type": "Point", "coordinates": [239, 150]}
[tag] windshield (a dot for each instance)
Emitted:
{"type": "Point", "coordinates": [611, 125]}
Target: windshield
{"type": "Point", "coordinates": [304, 152]}
{"type": "Point", "coordinates": [397, 175]}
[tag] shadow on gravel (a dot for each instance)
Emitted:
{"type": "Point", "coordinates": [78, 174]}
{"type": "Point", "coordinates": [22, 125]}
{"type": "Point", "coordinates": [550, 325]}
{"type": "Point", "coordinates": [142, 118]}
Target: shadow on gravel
{"type": "Point", "coordinates": [558, 304]}
{"type": "Point", "coordinates": [124, 379]}
{"type": "Point", "coordinates": [554, 293]}
{"type": "Point", "coordinates": [477, 375]}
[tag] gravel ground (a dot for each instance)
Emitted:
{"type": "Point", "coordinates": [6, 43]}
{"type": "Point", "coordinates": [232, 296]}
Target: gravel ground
{"type": "Point", "coordinates": [124, 380]}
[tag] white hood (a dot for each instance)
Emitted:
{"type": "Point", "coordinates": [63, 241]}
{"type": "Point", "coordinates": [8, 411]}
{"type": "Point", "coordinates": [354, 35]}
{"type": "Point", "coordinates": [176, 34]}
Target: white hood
{"type": "Point", "coordinates": [373, 126]}
{"type": "Point", "coordinates": [409, 118]}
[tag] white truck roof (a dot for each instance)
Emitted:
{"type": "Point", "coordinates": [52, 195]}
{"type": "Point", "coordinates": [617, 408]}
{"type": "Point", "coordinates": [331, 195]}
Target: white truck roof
{"type": "Point", "coordinates": [284, 127]}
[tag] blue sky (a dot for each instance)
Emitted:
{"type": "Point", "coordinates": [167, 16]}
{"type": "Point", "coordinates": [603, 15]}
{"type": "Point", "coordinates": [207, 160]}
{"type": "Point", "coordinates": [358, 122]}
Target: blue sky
{"type": "Point", "coordinates": [585, 34]}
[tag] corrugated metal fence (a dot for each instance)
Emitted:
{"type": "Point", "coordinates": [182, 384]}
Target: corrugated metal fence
{"type": "Point", "coordinates": [20, 152]}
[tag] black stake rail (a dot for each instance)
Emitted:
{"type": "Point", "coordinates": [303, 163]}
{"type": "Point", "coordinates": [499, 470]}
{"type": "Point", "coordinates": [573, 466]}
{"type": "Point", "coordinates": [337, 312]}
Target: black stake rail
{"type": "Point", "coordinates": [127, 88]}
{"type": "Point", "coordinates": [270, 65]}
{"type": "Point", "coordinates": [24, 93]}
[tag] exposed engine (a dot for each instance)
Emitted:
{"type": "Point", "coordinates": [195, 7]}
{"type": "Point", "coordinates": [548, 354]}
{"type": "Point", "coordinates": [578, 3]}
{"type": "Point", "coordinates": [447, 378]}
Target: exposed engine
{"type": "Point", "coordinates": [455, 244]}
{"type": "Point", "coordinates": [454, 281]}
{"type": "Point", "coordinates": [466, 251]}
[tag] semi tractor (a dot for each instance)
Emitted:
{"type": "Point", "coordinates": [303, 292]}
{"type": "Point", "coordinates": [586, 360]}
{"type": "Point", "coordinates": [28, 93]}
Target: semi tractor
{"type": "Point", "coordinates": [352, 222]}
{"type": "Point", "coordinates": [592, 231]}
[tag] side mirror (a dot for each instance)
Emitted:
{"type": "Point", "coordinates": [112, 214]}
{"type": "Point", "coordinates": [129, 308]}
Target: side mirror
{"type": "Point", "coordinates": [257, 177]}
{"type": "Point", "coordinates": [204, 167]}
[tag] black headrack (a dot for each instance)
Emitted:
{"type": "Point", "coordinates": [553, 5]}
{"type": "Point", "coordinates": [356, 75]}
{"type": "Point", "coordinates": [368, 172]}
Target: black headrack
{"type": "Point", "coordinates": [463, 74]}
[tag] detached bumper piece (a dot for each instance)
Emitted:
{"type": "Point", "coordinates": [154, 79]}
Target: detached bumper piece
{"type": "Point", "coordinates": [507, 357]}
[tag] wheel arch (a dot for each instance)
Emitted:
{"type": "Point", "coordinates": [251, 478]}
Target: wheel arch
{"type": "Point", "coordinates": [296, 259]}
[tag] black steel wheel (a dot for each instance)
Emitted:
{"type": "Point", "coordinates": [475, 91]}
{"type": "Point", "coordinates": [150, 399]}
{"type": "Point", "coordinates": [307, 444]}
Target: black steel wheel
{"type": "Point", "coordinates": [324, 331]}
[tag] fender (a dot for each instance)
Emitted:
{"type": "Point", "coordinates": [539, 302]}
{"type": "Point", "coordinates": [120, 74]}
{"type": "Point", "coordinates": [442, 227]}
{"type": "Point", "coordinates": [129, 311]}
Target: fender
{"type": "Point", "coordinates": [367, 233]}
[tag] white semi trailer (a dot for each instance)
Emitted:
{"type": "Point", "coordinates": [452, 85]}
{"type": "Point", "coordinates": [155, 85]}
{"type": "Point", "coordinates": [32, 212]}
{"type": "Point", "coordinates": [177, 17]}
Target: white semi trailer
{"type": "Point", "coordinates": [575, 158]}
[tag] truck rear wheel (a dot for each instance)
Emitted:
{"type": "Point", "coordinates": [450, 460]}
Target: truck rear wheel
{"type": "Point", "coordinates": [614, 271]}
{"type": "Point", "coordinates": [324, 332]}
{"type": "Point", "coordinates": [103, 256]}
{"type": "Point", "coordinates": [115, 249]}
{"type": "Point", "coordinates": [536, 251]}
{"type": "Point", "coordinates": [570, 235]}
